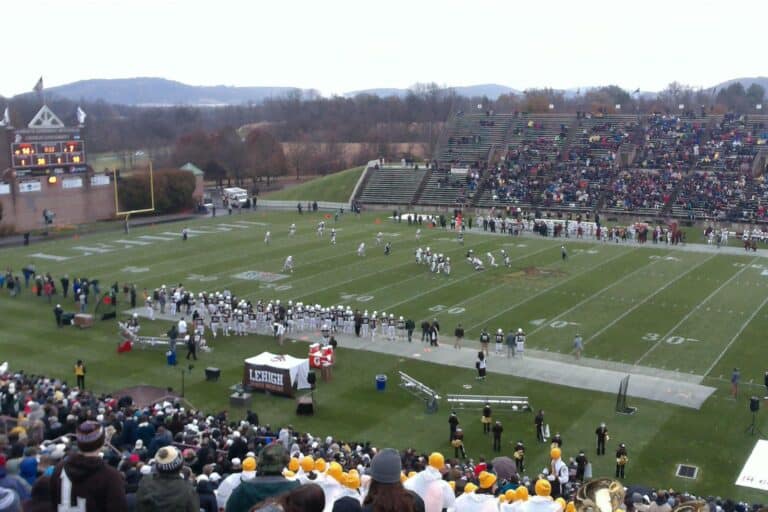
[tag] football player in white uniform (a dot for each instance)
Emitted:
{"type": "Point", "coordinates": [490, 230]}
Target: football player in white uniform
{"type": "Point", "coordinates": [320, 228]}
{"type": "Point", "coordinates": [418, 235]}
{"type": "Point", "coordinates": [361, 249]}
{"type": "Point", "coordinates": [491, 260]}
{"type": "Point", "coordinates": [333, 236]}
{"type": "Point", "coordinates": [418, 255]}
{"type": "Point", "coordinates": [288, 265]}
{"type": "Point", "coordinates": [499, 341]}
{"type": "Point", "coordinates": [507, 260]}
{"type": "Point", "coordinates": [391, 328]}
{"type": "Point", "coordinates": [379, 237]}
{"type": "Point", "coordinates": [267, 237]}
{"type": "Point", "coordinates": [447, 266]}
{"type": "Point", "coordinates": [292, 230]}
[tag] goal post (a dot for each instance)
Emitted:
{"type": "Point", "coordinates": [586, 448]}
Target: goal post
{"type": "Point", "coordinates": [128, 213]}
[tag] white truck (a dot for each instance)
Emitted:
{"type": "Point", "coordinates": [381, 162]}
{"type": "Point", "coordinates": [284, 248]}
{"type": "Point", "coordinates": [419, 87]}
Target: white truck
{"type": "Point", "coordinates": [236, 195]}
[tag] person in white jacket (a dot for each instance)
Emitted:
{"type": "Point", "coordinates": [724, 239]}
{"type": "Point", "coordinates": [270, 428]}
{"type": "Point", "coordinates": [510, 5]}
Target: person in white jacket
{"type": "Point", "coordinates": [431, 487]}
{"type": "Point", "coordinates": [543, 501]}
{"type": "Point", "coordinates": [482, 501]}
{"type": "Point", "coordinates": [229, 484]}
{"type": "Point", "coordinates": [558, 472]}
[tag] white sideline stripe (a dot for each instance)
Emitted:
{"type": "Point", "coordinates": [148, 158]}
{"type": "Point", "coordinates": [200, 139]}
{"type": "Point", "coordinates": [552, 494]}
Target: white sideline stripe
{"type": "Point", "coordinates": [550, 288]}
{"type": "Point", "coordinates": [692, 311]}
{"type": "Point", "coordinates": [471, 274]}
{"type": "Point", "coordinates": [630, 310]}
{"type": "Point", "coordinates": [157, 238]}
{"type": "Point", "coordinates": [591, 297]}
{"type": "Point", "coordinates": [735, 337]}
{"type": "Point", "coordinates": [44, 256]}
{"type": "Point", "coordinates": [130, 242]}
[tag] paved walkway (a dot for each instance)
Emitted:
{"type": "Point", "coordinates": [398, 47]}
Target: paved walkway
{"type": "Point", "coordinates": [648, 383]}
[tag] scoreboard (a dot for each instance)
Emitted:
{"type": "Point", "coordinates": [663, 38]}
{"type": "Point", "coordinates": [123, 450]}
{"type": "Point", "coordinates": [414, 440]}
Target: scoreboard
{"type": "Point", "coordinates": [41, 150]}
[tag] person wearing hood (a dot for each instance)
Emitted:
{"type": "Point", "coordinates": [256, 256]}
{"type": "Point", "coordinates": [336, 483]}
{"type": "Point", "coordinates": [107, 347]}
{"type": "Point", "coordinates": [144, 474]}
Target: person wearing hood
{"type": "Point", "coordinates": [479, 498]}
{"type": "Point", "coordinates": [229, 484]}
{"type": "Point", "coordinates": [206, 494]}
{"type": "Point", "coordinates": [84, 480]}
{"type": "Point", "coordinates": [270, 481]}
{"type": "Point", "coordinates": [431, 487]}
{"type": "Point", "coordinates": [166, 490]}
{"type": "Point", "coordinates": [13, 482]}
{"type": "Point", "coordinates": [41, 499]}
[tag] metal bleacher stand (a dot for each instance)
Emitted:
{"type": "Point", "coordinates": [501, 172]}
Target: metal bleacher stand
{"type": "Point", "coordinates": [512, 403]}
{"type": "Point", "coordinates": [420, 390]}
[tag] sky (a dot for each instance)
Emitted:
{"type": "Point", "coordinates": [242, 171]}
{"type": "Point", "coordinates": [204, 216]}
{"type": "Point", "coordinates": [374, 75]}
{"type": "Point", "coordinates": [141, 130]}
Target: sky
{"type": "Point", "coordinates": [337, 46]}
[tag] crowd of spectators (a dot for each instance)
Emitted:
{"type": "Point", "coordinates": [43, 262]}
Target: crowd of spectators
{"type": "Point", "coordinates": [671, 164]}
{"type": "Point", "coordinates": [103, 454]}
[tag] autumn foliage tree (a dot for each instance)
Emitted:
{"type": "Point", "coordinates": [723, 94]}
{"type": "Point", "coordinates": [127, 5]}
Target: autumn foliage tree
{"type": "Point", "coordinates": [264, 155]}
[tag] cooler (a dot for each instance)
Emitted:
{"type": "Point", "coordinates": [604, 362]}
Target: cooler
{"type": "Point", "coordinates": [328, 354]}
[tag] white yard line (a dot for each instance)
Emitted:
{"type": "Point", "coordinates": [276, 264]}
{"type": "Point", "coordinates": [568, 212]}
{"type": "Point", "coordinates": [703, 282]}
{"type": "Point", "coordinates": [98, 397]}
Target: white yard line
{"type": "Point", "coordinates": [649, 297]}
{"type": "Point", "coordinates": [592, 297]}
{"type": "Point", "coordinates": [548, 289]}
{"type": "Point", "coordinates": [692, 311]}
{"type": "Point", "coordinates": [736, 336]}
{"type": "Point", "coordinates": [449, 283]}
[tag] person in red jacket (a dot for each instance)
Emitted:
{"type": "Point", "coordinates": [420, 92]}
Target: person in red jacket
{"type": "Point", "coordinates": [83, 481]}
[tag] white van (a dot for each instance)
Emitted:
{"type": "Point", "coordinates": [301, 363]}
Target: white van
{"type": "Point", "coordinates": [236, 195]}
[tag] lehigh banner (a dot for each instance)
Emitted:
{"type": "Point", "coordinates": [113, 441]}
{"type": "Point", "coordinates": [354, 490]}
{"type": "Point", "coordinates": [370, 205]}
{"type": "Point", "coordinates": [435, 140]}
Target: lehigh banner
{"type": "Point", "coordinates": [266, 378]}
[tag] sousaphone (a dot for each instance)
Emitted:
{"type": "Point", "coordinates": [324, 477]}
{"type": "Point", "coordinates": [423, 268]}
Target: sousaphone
{"type": "Point", "coordinates": [692, 506]}
{"type": "Point", "coordinates": [599, 495]}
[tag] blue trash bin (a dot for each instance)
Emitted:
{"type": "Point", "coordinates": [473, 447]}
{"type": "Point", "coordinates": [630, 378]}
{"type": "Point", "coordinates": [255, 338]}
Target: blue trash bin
{"type": "Point", "coordinates": [171, 358]}
{"type": "Point", "coordinates": [381, 382]}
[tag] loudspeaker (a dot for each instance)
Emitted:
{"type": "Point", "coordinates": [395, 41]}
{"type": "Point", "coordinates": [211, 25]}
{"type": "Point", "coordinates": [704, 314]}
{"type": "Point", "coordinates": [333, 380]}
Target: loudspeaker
{"type": "Point", "coordinates": [754, 404]}
{"type": "Point", "coordinates": [305, 406]}
{"type": "Point", "coordinates": [212, 373]}
{"type": "Point", "coordinates": [312, 379]}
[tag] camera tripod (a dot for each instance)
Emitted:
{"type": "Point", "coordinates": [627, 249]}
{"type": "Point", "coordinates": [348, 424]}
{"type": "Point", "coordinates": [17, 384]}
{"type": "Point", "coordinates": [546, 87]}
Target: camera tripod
{"type": "Point", "coordinates": [753, 429]}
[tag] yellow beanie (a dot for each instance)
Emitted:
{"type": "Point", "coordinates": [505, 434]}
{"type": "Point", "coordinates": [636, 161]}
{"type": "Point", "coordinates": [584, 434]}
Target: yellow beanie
{"type": "Point", "coordinates": [287, 473]}
{"type": "Point", "coordinates": [561, 503]}
{"type": "Point", "coordinates": [293, 464]}
{"type": "Point", "coordinates": [411, 474]}
{"type": "Point", "coordinates": [335, 470]}
{"type": "Point", "coordinates": [511, 495]}
{"type": "Point", "coordinates": [249, 464]}
{"type": "Point", "coordinates": [352, 480]}
{"type": "Point", "coordinates": [436, 460]}
{"type": "Point", "coordinates": [452, 483]}
{"type": "Point", "coordinates": [470, 487]}
{"type": "Point", "coordinates": [570, 507]}
{"type": "Point", "coordinates": [522, 493]}
{"type": "Point", "coordinates": [403, 477]}
{"type": "Point", "coordinates": [307, 463]}
{"type": "Point", "coordinates": [555, 453]}
{"type": "Point", "coordinates": [486, 479]}
{"type": "Point", "coordinates": [320, 465]}
{"type": "Point", "coordinates": [543, 487]}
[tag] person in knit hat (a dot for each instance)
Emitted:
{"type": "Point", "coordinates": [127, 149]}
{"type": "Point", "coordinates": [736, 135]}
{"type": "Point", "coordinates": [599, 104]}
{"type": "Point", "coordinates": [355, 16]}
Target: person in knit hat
{"type": "Point", "coordinates": [166, 490]}
{"type": "Point", "coordinates": [543, 501]}
{"type": "Point", "coordinates": [386, 492]}
{"type": "Point", "coordinates": [229, 484]}
{"type": "Point", "coordinates": [9, 500]}
{"type": "Point", "coordinates": [84, 480]}
{"type": "Point", "coordinates": [431, 487]}
{"type": "Point", "coordinates": [269, 482]}
{"type": "Point", "coordinates": [558, 472]}
{"type": "Point", "coordinates": [481, 499]}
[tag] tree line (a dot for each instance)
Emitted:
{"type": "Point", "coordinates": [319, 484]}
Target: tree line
{"type": "Point", "coordinates": [317, 126]}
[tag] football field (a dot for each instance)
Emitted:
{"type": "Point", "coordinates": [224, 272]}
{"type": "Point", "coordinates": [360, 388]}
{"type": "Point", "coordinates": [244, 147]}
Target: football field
{"type": "Point", "coordinates": [693, 310]}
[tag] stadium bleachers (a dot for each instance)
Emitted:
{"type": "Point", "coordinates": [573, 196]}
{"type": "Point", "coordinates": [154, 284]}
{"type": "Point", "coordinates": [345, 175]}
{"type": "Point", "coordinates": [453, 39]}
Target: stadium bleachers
{"type": "Point", "coordinates": [391, 185]}
{"type": "Point", "coordinates": [444, 189]}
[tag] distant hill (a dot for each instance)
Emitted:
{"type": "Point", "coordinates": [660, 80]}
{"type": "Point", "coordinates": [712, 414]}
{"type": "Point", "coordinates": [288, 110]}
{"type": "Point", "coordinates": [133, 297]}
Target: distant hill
{"type": "Point", "coordinates": [491, 91]}
{"type": "Point", "coordinates": [162, 92]}
{"type": "Point", "coordinates": [746, 82]}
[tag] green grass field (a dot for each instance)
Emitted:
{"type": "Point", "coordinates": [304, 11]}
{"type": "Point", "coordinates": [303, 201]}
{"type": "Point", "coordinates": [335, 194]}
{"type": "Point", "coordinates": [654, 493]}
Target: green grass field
{"type": "Point", "coordinates": [336, 187]}
{"type": "Point", "coordinates": [695, 312]}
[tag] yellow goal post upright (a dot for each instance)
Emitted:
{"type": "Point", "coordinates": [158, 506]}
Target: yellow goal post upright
{"type": "Point", "coordinates": [128, 213]}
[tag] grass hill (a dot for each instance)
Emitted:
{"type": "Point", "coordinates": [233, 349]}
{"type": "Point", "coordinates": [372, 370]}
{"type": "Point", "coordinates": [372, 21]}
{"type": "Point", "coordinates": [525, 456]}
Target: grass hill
{"type": "Point", "coordinates": [336, 187]}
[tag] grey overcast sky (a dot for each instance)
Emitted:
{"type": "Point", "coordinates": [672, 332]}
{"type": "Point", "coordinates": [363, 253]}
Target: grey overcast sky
{"type": "Point", "coordinates": [337, 46]}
